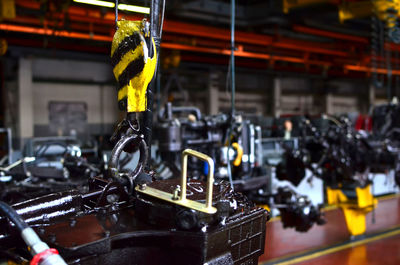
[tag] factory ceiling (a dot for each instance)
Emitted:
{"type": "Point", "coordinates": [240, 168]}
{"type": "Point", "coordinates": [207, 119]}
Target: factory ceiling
{"type": "Point", "coordinates": [325, 37]}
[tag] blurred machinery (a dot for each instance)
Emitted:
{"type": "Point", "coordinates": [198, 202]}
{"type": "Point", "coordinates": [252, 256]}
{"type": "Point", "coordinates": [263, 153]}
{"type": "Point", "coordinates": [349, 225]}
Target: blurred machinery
{"type": "Point", "coordinates": [48, 165]}
{"type": "Point", "coordinates": [346, 161]}
{"type": "Point", "coordinates": [185, 127]}
{"type": "Point", "coordinates": [386, 130]}
{"type": "Point", "coordinates": [179, 128]}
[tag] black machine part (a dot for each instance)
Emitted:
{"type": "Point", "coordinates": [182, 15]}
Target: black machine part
{"type": "Point", "coordinates": [86, 228]}
{"type": "Point", "coordinates": [43, 255]}
{"type": "Point", "coordinates": [297, 211]}
{"type": "Point", "coordinates": [292, 167]}
{"type": "Point", "coordinates": [113, 219]}
{"type": "Point", "coordinates": [167, 112]}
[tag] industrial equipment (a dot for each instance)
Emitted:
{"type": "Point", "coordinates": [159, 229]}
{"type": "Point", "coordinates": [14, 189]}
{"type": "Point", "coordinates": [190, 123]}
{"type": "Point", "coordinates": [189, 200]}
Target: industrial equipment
{"type": "Point", "coordinates": [179, 128]}
{"type": "Point", "coordinates": [48, 165]}
{"type": "Point", "coordinates": [158, 222]}
{"type": "Point", "coordinates": [344, 158]}
{"type": "Point", "coordinates": [132, 217]}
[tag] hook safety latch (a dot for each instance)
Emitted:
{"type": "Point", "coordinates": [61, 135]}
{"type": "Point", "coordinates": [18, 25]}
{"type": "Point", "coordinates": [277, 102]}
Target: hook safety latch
{"type": "Point", "coordinates": [181, 199]}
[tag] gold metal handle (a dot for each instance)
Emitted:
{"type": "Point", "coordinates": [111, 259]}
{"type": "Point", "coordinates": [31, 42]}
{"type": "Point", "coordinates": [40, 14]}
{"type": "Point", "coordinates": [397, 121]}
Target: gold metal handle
{"type": "Point", "coordinates": [210, 175]}
{"type": "Point", "coordinates": [182, 200]}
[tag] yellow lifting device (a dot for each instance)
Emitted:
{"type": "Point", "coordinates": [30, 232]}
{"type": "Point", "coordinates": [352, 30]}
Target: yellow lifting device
{"type": "Point", "coordinates": [132, 66]}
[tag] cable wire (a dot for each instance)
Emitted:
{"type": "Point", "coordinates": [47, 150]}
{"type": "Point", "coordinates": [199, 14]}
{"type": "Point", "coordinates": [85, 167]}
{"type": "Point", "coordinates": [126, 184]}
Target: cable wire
{"type": "Point", "coordinates": [162, 19]}
{"type": "Point", "coordinates": [233, 88]}
{"type": "Point", "coordinates": [14, 217]}
{"type": "Point", "coordinates": [116, 14]}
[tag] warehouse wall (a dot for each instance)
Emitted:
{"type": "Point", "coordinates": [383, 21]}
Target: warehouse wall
{"type": "Point", "coordinates": [41, 80]}
{"type": "Point", "coordinates": [301, 95]}
{"type": "Point", "coordinates": [44, 80]}
{"type": "Point", "coordinates": [74, 70]}
{"type": "Point", "coordinates": [262, 93]}
{"type": "Point", "coordinates": [101, 101]}
{"type": "Point", "coordinates": [206, 89]}
{"type": "Point", "coordinates": [63, 80]}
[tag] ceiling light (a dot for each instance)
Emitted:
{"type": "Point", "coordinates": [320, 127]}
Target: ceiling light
{"type": "Point", "coordinates": [137, 9]}
{"type": "Point", "coordinates": [132, 8]}
{"type": "Point", "coordinates": [96, 3]}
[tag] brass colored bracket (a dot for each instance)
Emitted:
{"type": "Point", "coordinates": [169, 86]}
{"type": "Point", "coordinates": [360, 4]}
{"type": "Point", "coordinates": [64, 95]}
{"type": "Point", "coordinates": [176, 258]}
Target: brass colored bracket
{"type": "Point", "coordinates": [182, 200]}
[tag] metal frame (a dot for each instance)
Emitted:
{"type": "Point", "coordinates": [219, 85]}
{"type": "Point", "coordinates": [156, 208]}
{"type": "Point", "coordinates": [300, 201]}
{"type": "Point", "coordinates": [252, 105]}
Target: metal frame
{"type": "Point", "coordinates": [344, 56]}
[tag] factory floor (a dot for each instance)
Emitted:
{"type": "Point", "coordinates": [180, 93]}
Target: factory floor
{"type": "Point", "coordinates": [332, 244]}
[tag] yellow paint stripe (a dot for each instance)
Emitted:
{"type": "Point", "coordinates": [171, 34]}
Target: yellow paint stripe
{"type": "Point", "coordinates": [329, 208]}
{"type": "Point", "coordinates": [123, 92]}
{"type": "Point", "coordinates": [274, 219]}
{"type": "Point", "coordinates": [339, 248]}
{"type": "Point", "coordinates": [389, 197]}
{"type": "Point", "coordinates": [126, 60]}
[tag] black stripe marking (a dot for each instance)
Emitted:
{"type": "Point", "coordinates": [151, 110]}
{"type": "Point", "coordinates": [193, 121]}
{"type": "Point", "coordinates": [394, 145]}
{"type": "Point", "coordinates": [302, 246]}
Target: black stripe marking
{"type": "Point", "coordinates": [130, 42]}
{"type": "Point", "coordinates": [133, 69]}
{"type": "Point", "coordinates": [123, 103]}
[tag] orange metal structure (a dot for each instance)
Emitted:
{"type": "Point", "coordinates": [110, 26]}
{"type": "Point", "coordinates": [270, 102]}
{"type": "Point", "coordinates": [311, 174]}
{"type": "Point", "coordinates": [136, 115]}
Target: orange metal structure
{"type": "Point", "coordinates": [343, 54]}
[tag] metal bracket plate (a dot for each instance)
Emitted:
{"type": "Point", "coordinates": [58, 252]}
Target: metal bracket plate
{"type": "Point", "coordinates": [182, 200]}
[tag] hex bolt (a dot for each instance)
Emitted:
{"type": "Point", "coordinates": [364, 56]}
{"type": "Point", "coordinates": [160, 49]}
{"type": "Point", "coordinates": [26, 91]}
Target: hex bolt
{"type": "Point", "coordinates": [175, 197]}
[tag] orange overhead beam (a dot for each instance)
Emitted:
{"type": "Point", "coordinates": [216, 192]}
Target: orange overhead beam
{"type": "Point", "coordinates": [81, 14]}
{"type": "Point", "coordinates": [344, 53]}
{"type": "Point", "coordinates": [167, 45]}
{"type": "Point", "coordinates": [213, 33]}
{"type": "Point", "coordinates": [62, 33]}
{"type": "Point", "coordinates": [241, 53]}
{"type": "Point", "coordinates": [330, 34]}
{"type": "Point", "coordinates": [367, 69]}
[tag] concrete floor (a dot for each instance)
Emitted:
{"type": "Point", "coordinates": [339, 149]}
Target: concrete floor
{"type": "Point", "coordinates": [383, 251]}
{"type": "Point", "coordinates": [331, 244]}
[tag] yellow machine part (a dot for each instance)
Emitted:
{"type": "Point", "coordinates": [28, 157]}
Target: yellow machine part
{"type": "Point", "coordinates": [354, 211]}
{"type": "Point", "coordinates": [289, 4]}
{"type": "Point", "coordinates": [335, 196]}
{"type": "Point", "coordinates": [132, 69]}
{"type": "Point", "coordinates": [7, 9]}
{"type": "Point", "coordinates": [239, 150]}
{"type": "Point", "coordinates": [354, 9]}
{"type": "Point", "coordinates": [351, 10]}
{"type": "Point", "coordinates": [3, 47]}
{"type": "Point", "coordinates": [171, 59]}
{"type": "Point", "coordinates": [264, 206]}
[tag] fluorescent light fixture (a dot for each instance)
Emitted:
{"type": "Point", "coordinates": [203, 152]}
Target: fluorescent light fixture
{"type": "Point", "coordinates": [132, 8]}
{"type": "Point", "coordinates": [96, 3]}
{"type": "Point", "coordinates": [137, 9]}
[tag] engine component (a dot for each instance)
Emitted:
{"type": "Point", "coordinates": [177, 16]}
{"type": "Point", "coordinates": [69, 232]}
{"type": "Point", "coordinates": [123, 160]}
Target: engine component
{"type": "Point", "coordinates": [179, 128]}
{"type": "Point", "coordinates": [292, 167]}
{"type": "Point", "coordinates": [297, 211]}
